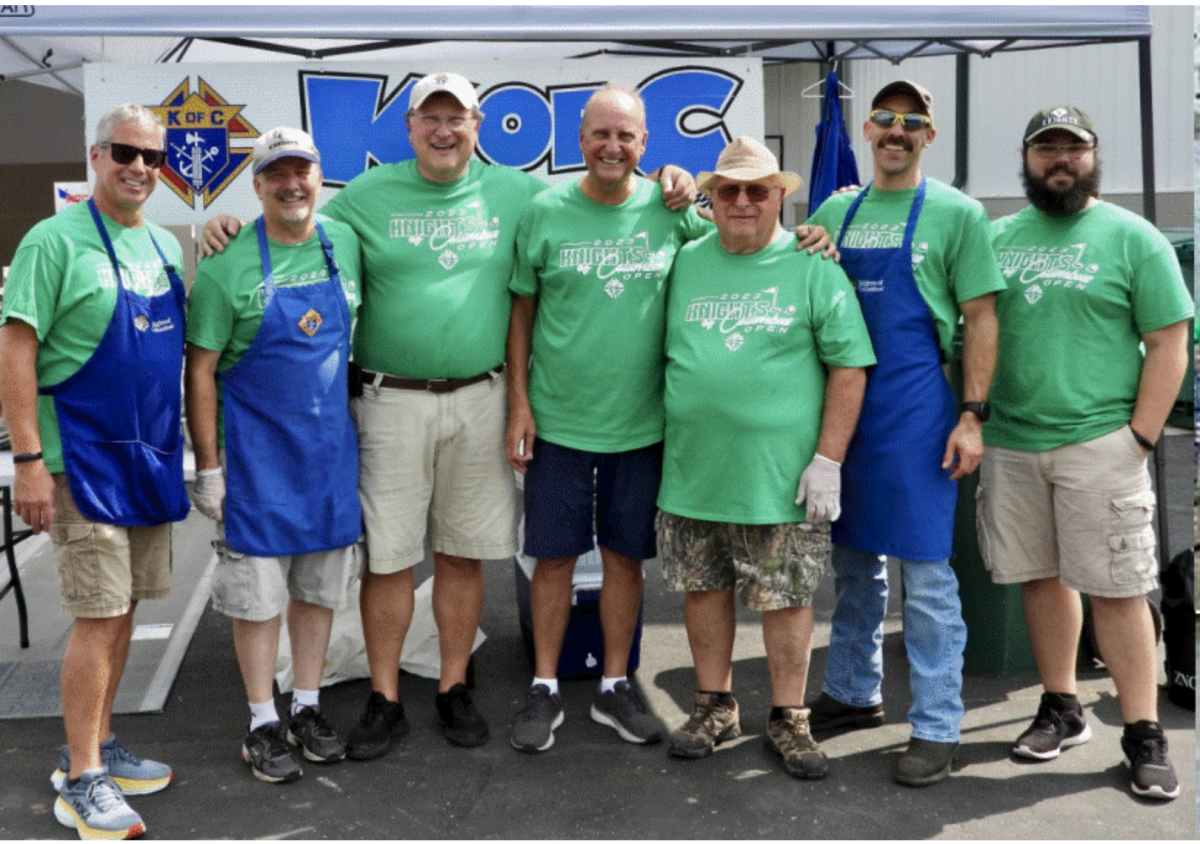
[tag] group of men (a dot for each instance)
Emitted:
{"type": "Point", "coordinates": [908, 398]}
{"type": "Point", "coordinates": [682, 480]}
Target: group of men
{"type": "Point", "coordinates": [760, 396]}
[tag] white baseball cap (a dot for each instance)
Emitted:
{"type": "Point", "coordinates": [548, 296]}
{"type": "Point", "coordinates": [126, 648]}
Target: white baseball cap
{"type": "Point", "coordinates": [453, 84]}
{"type": "Point", "coordinates": [283, 142]}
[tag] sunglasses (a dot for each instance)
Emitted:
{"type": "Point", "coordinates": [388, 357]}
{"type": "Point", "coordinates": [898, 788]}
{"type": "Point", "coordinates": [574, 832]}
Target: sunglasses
{"type": "Point", "coordinates": [125, 154]}
{"type": "Point", "coordinates": [1051, 151]}
{"type": "Point", "coordinates": [754, 192]}
{"type": "Point", "coordinates": [911, 122]}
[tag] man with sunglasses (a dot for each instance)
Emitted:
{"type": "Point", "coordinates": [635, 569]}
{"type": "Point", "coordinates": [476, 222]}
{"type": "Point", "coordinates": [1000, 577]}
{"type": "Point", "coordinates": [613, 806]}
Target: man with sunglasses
{"type": "Point", "coordinates": [91, 353]}
{"type": "Point", "coordinates": [269, 325]}
{"type": "Point", "coordinates": [1065, 501]}
{"type": "Point", "coordinates": [436, 233]}
{"type": "Point", "coordinates": [918, 253]}
{"type": "Point", "coordinates": [765, 350]}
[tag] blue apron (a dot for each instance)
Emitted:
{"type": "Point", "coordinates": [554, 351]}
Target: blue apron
{"type": "Point", "coordinates": [290, 446]}
{"type": "Point", "coordinates": [119, 414]}
{"type": "Point", "coordinates": [896, 498]}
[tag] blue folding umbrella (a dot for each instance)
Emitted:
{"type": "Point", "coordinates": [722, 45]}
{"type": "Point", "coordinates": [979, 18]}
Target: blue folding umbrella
{"type": "Point", "coordinates": [833, 161]}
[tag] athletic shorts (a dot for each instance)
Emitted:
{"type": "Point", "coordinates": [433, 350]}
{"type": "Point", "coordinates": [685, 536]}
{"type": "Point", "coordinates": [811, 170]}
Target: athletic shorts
{"type": "Point", "coordinates": [572, 496]}
{"type": "Point", "coordinates": [257, 588]}
{"type": "Point", "coordinates": [768, 567]}
{"type": "Point", "coordinates": [433, 464]}
{"type": "Point", "coordinates": [102, 568]}
{"type": "Point", "coordinates": [1082, 512]}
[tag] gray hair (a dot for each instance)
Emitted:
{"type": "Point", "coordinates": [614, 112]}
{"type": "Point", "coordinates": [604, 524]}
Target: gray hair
{"type": "Point", "coordinates": [610, 88]}
{"type": "Point", "coordinates": [129, 113]}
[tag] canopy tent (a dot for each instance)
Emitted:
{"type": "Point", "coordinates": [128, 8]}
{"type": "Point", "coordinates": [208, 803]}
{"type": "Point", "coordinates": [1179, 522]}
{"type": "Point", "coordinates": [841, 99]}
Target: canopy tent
{"type": "Point", "coordinates": [48, 44]}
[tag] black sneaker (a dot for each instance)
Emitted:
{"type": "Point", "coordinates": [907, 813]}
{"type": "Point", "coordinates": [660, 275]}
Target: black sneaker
{"type": "Point", "coordinates": [828, 713]}
{"type": "Point", "coordinates": [315, 737]}
{"type": "Point", "coordinates": [372, 735]}
{"type": "Point", "coordinates": [268, 755]}
{"type": "Point", "coordinates": [460, 721]}
{"type": "Point", "coordinates": [925, 762]}
{"type": "Point", "coordinates": [1058, 724]}
{"type": "Point", "coordinates": [1151, 772]}
{"type": "Point", "coordinates": [534, 726]}
{"type": "Point", "coordinates": [624, 710]}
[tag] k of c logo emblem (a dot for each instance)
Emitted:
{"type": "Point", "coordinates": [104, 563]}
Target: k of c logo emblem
{"type": "Point", "coordinates": [310, 322]}
{"type": "Point", "coordinates": [200, 125]}
{"type": "Point", "coordinates": [141, 322]}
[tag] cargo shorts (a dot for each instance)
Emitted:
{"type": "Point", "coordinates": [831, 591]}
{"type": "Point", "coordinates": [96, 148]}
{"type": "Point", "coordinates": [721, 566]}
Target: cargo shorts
{"type": "Point", "coordinates": [768, 567]}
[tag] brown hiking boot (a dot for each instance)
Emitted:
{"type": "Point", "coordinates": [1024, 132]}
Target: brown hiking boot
{"type": "Point", "coordinates": [790, 738]}
{"type": "Point", "coordinates": [709, 724]}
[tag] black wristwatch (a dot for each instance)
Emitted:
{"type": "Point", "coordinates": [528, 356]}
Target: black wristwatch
{"type": "Point", "coordinates": [980, 408]}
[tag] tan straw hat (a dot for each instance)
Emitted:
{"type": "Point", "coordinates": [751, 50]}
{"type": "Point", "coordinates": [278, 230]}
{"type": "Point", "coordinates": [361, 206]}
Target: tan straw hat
{"type": "Point", "coordinates": [746, 160]}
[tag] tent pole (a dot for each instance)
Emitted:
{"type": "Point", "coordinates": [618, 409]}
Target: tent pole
{"type": "Point", "coordinates": [962, 119]}
{"type": "Point", "coordinates": [1149, 209]}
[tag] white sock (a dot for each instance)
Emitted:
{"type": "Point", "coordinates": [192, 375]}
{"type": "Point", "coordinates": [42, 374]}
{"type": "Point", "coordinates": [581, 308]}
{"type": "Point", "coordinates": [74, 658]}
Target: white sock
{"type": "Point", "coordinates": [304, 697]}
{"type": "Point", "coordinates": [609, 684]}
{"type": "Point", "coordinates": [262, 713]}
{"type": "Point", "coordinates": [549, 682]}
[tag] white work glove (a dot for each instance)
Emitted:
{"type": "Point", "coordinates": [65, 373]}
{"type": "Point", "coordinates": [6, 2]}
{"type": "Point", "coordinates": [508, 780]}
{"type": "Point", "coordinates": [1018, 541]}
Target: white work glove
{"type": "Point", "coordinates": [821, 486]}
{"type": "Point", "coordinates": [209, 493]}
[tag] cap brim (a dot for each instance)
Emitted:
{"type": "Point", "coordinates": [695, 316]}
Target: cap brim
{"type": "Point", "coordinates": [290, 153]}
{"type": "Point", "coordinates": [1077, 131]}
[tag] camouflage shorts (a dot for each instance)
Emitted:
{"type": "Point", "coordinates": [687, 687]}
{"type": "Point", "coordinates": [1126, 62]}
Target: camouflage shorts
{"type": "Point", "coordinates": [769, 567]}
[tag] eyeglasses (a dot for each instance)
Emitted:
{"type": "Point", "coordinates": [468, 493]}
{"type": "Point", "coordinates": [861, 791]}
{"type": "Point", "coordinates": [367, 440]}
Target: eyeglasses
{"type": "Point", "coordinates": [1052, 151]}
{"type": "Point", "coordinates": [125, 154]}
{"type": "Point", "coordinates": [911, 122]}
{"type": "Point", "coordinates": [754, 192]}
{"type": "Point", "coordinates": [430, 122]}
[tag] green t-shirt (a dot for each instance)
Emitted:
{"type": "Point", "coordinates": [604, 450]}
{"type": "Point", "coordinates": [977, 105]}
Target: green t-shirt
{"type": "Point", "coordinates": [1081, 292]}
{"type": "Point", "coordinates": [747, 337]}
{"type": "Point", "coordinates": [225, 308]}
{"type": "Point", "coordinates": [599, 273]}
{"type": "Point", "coordinates": [952, 257]}
{"type": "Point", "coordinates": [436, 262]}
{"type": "Point", "coordinates": [61, 283]}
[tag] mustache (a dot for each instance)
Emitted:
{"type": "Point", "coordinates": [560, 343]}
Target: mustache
{"type": "Point", "coordinates": [883, 142]}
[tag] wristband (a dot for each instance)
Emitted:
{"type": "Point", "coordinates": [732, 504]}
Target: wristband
{"type": "Point", "coordinates": [27, 457]}
{"type": "Point", "coordinates": [1142, 441]}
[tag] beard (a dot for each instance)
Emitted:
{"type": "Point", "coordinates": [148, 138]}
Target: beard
{"type": "Point", "coordinates": [1054, 203]}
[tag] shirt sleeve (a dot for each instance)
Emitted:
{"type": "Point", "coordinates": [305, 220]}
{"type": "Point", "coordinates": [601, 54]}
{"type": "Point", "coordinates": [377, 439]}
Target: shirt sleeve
{"type": "Point", "coordinates": [524, 280]}
{"type": "Point", "coordinates": [837, 320]}
{"type": "Point", "coordinates": [35, 279]}
{"type": "Point", "coordinates": [210, 309]}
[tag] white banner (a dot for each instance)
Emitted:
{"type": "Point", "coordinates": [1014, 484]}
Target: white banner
{"type": "Point", "coordinates": [355, 113]}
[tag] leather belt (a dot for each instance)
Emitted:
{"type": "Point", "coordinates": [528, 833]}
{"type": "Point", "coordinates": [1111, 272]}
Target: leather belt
{"type": "Point", "coordinates": [432, 385]}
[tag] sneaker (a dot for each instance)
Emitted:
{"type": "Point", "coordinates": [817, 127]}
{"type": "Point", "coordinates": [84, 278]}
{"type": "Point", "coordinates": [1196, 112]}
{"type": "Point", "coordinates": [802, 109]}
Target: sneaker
{"type": "Point", "coordinates": [1056, 725]}
{"type": "Point", "coordinates": [315, 737]}
{"type": "Point", "coordinates": [96, 809]}
{"type": "Point", "coordinates": [372, 735]}
{"type": "Point", "coordinates": [460, 721]}
{"type": "Point", "coordinates": [709, 724]}
{"type": "Point", "coordinates": [925, 762]}
{"type": "Point", "coordinates": [790, 738]}
{"type": "Point", "coordinates": [269, 756]}
{"type": "Point", "coordinates": [828, 713]}
{"type": "Point", "coordinates": [534, 726]}
{"type": "Point", "coordinates": [128, 771]}
{"type": "Point", "coordinates": [1151, 772]}
{"type": "Point", "coordinates": [625, 711]}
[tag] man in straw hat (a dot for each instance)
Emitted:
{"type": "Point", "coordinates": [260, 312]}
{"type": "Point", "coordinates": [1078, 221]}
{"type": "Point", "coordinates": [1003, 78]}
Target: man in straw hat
{"type": "Point", "coordinates": [766, 349]}
{"type": "Point", "coordinates": [918, 253]}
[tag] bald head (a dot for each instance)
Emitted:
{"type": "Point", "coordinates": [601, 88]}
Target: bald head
{"type": "Point", "coordinates": [614, 99]}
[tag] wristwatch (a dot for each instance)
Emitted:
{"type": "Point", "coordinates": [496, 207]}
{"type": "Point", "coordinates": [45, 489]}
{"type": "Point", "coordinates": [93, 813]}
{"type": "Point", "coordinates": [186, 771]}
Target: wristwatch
{"type": "Point", "coordinates": [980, 408]}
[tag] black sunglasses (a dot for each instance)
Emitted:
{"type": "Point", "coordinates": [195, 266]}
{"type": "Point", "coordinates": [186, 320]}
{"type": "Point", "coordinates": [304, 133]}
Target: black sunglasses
{"type": "Point", "coordinates": [125, 154]}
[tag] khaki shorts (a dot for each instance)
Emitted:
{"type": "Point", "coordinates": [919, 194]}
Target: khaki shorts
{"type": "Point", "coordinates": [769, 567]}
{"type": "Point", "coordinates": [102, 568]}
{"type": "Point", "coordinates": [258, 588]}
{"type": "Point", "coordinates": [1082, 512]}
{"type": "Point", "coordinates": [434, 464]}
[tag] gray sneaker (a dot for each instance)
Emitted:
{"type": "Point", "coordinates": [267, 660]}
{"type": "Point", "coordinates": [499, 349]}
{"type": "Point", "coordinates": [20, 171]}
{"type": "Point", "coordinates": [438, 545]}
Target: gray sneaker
{"type": "Point", "coordinates": [269, 756]}
{"type": "Point", "coordinates": [315, 737]}
{"type": "Point", "coordinates": [128, 771]}
{"type": "Point", "coordinates": [789, 737]}
{"type": "Point", "coordinates": [709, 724]}
{"type": "Point", "coordinates": [95, 808]}
{"type": "Point", "coordinates": [624, 710]}
{"type": "Point", "coordinates": [534, 726]}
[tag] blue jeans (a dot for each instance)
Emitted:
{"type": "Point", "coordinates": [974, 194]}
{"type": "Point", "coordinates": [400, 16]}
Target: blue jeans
{"type": "Point", "coordinates": [934, 636]}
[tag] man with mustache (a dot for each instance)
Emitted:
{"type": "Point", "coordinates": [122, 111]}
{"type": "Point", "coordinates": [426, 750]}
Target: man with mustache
{"type": "Point", "coordinates": [268, 347]}
{"type": "Point", "coordinates": [1065, 502]}
{"type": "Point", "coordinates": [918, 253]}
